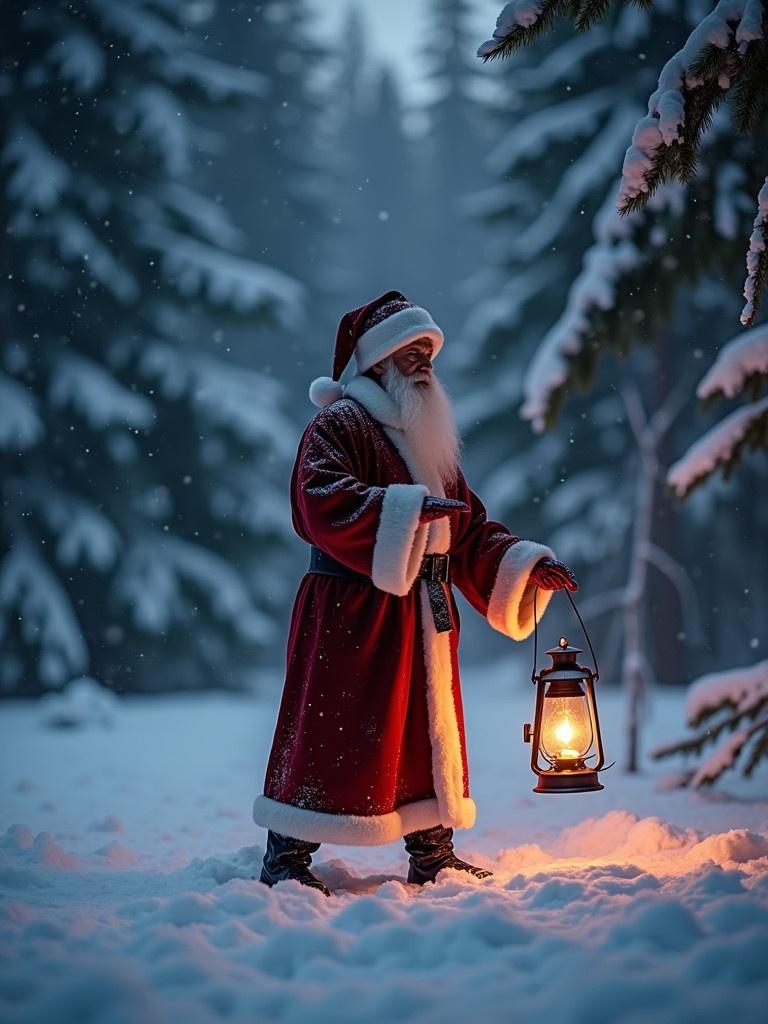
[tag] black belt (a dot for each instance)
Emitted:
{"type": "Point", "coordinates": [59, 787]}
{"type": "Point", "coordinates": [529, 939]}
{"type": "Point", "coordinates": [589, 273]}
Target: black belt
{"type": "Point", "coordinates": [434, 569]}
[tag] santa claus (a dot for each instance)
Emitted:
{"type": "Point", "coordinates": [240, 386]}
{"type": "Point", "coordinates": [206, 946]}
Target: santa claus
{"type": "Point", "coordinates": [369, 744]}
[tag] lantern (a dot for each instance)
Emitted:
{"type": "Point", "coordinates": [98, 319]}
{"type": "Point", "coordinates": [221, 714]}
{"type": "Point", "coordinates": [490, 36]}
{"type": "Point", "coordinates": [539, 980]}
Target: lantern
{"type": "Point", "coordinates": [566, 732]}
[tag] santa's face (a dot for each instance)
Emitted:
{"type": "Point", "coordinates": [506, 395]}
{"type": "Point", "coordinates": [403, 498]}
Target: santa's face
{"type": "Point", "coordinates": [425, 409]}
{"type": "Point", "coordinates": [414, 360]}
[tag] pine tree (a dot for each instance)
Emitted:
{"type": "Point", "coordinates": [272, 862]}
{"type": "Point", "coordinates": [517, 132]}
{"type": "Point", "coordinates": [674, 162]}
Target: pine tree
{"type": "Point", "coordinates": [645, 259]}
{"type": "Point", "coordinates": [726, 54]}
{"type": "Point", "coordinates": [138, 463]}
{"type": "Point", "coordinates": [275, 172]}
{"type": "Point", "coordinates": [452, 149]}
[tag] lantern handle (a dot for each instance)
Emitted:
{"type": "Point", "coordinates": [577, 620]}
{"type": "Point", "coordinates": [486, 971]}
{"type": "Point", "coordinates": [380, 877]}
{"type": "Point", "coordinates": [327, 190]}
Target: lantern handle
{"type": "Point", "coordinates": [584, 630]}
{"type": "Point", "coordinates": [536, 634]}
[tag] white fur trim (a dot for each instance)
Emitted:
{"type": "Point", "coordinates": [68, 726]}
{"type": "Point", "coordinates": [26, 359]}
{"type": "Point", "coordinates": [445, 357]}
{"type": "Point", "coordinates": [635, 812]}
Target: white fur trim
{"type": "Point", "coordinates": [510, 608]}
{"type": "Point", "coordinates": [354, 829]}
{"type": "Point", "coordinates": [400, 539]}
{"type": "Point", "coordinates": [447, 769]}
{"type": "Point", "coordinates": [393, 333]}
{"type": "Point", "coordinates": [375, 400]}
{"type": "Point", "coordinates": [324, 390]}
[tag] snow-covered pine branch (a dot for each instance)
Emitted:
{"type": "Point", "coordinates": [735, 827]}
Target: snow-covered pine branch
{"type": "Point", "coordinates": [613, 254]}
{"type": "Point", "coordinates": [223, 278]}
{"type": "Point", "coordinates": [245, 402]}
{"type": "Point", "coordinates": [573, 118]}
{"type": "Point", "coordinates": [96, 395]}
{"type": "Point", "coordinates": [520, 22]}
{"type": "Point", "coordinates": [720, 447]}
{"type": "Point", "coordinates": [724, 53]}
{"type": "Point", "coordinates": [585, 174]}
{"type": "Point", "coordinates": [740, 365]}
{"type": "Point", "coordinates": [161, 576]}
{"type": "Point", "coordinates": [32, 595]}
{"type": "Point", "coordinates": [714, 57]}
{"type": "Point", "coordinates": [717, 57]}
{"type": "Point", "coordinates": [757, 259]}
{"type": "Point", "coordinates": [20, 423]}
{"type": "Point", "coordinates": [740, 697]}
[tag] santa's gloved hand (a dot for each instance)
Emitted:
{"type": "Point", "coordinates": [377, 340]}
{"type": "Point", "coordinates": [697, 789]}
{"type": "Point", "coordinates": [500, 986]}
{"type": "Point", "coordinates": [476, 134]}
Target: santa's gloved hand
{"type": "Point", "coordinates": [436, 508]}
{"type": "Point", "coordinates": [549, 574]}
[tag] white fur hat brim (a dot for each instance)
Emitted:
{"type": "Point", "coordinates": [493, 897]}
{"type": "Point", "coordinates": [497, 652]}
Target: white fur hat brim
{"type": "Point", "coordinates": [395, 332]}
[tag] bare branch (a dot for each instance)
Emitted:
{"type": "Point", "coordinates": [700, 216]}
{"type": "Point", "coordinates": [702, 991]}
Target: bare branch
{"type": "Point", "coordinates": [681, 581]}
{"type": "Point", "coordinates": [670, 408]}
{"type": "Point", "coordinates": [598, 605]}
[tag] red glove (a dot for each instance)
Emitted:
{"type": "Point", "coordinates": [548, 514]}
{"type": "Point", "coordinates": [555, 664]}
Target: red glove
{"type": "Point", "coordinates": [549, 574]}
{"type": "Point", "coordinates": [436, 508]}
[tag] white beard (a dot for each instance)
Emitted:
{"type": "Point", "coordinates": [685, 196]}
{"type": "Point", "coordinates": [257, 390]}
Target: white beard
{"type": "Point", "coordinates": [428, 422]}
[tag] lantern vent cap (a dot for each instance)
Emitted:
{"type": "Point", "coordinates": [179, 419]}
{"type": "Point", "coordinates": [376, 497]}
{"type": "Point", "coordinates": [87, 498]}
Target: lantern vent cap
{"type": "Point", "coordinates": [564, 649]}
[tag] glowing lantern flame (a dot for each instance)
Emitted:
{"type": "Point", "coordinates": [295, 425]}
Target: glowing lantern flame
{"type": "Point", "coordinates": [566, 729]}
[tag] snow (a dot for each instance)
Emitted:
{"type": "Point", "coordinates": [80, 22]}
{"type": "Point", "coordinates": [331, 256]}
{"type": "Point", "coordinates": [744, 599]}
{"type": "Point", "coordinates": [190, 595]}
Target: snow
{"type": "Point", "coordinates": [583, 177]}
{"type": "Point", "coordinates": [533, 136]}
{"type": "Point", "coordinates": [612, 254]}
{"type": "Point", "coordinates": [716, 447]}
{"type": "Point", "coordinates": [523, 13]}
{"type": "Point", "coordinates": [737, 361]}
{"type": "Point", "coordinates": [99, 397]}
{"type": "Point", "coordinates": [143, 29]}
{"type": "Point", "coordinates": [725, 756]}
{"type": "Point", "coordinates": [756, 252]}
{"type": "Point", "coordinates": [224, 278]}
{"type": "Point", "coordinates": [77, 242]}
{"type": "Point", "coordinates": [20, 424]}
{"type": "Point", "coordinates": [205, 216]}
{"type": "Point", "coordinates": [663, 124]}
{"type": "Point", "coordinates": [80, 59]}
{"type": "Point", "coordinates": [741, 687]}
{"type": "Point", "coordinates": [128, 856]}
{"type": "Point", "coordinates": [46, 617]}
{"type": "Point", "coordinates": [150, 582]}
{"type": "Point", "coordinates": [82, 702]}
{"type": "Point", "coordinates": [565, 61]}
{"type": "Point", "coordinates": [39, 178]}
{"type": "Point", "coordinates": [152, 113]}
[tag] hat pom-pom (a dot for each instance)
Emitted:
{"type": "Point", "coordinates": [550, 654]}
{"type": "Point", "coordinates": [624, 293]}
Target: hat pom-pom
{"type": "Point", "coordinates": [324, 390]}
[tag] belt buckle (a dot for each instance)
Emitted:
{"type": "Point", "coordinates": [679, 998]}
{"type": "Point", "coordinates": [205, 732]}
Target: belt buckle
{"type": "Point", "coordinates": [438, 568]}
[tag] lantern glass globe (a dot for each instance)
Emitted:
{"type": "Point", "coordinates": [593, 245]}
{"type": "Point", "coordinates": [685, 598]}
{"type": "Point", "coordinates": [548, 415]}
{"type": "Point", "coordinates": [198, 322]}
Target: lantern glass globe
{"type": "Point", "coordinates": [566, 730]}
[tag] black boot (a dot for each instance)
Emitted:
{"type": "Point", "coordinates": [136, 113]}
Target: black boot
{"type": "Point", "coordinates": [431, 850]}
{"type": "Point", "coordinates": [286, 857]}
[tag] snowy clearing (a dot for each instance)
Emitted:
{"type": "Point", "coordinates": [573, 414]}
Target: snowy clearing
{"type": "Point", "coordinates": [127, 860]}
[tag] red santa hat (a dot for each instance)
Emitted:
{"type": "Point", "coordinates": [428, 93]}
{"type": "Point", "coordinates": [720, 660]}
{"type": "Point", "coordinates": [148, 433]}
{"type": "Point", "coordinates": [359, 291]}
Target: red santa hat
{"type": "Point", "coordinates": [371, 333]}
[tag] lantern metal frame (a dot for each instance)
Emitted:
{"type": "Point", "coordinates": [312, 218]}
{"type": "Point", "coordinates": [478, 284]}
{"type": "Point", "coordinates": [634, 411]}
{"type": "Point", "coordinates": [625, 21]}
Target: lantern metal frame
{"type": "Point", "coordinates": [566, 678]}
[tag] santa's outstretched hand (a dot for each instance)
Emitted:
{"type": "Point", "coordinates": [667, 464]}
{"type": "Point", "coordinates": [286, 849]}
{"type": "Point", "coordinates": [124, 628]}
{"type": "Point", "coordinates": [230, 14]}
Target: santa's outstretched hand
{"type": "Point", "coordinates": [549, 574]}
{"type": "Point", "coordinates": [436, 508]}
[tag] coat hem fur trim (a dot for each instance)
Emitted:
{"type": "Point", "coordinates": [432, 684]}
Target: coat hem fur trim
{"type": "Point", "coordinates": [357, 829]}
{"type": "Point", "coordinates": [510, 608]}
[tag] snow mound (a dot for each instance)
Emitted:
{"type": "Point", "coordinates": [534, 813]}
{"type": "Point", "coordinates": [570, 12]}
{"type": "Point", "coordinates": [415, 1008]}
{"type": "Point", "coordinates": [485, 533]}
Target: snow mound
{"type": "Point", "coordinates": [20, 845]}
{"type": "Point", "coordinates": [82, 703]}
{"type": "Point", "coordinates": [640, 904]}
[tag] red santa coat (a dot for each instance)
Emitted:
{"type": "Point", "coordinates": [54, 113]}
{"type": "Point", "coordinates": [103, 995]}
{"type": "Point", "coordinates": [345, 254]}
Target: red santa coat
{"type": "Point", "coordinates": [369, 743]}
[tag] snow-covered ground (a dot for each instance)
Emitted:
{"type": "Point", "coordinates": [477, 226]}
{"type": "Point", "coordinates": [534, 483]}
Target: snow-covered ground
{"type": "Point", "coordinates": [126, 876]}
